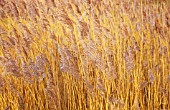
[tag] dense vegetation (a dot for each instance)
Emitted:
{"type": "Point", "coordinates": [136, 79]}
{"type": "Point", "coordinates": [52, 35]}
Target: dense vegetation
{"type": "Point", "coordinates": [84, 55]}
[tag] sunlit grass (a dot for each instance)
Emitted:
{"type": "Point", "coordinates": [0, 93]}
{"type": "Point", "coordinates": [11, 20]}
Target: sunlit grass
{"type": "Point", "coordinates": [85, 55]}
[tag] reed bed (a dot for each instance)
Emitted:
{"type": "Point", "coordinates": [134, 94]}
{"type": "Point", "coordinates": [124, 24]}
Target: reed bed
{"type": "Point", "coordinates": [84, 55]}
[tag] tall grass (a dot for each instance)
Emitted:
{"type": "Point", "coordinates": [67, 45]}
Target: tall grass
{"type": "Point", "coordinates": [84, 55]}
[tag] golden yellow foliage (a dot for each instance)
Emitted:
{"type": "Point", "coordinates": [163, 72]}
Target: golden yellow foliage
{"type": "Point", "coordinates": [84, 55]}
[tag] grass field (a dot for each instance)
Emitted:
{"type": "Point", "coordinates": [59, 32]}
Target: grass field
{"type": "Point", "coordinates": [84, 54]}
